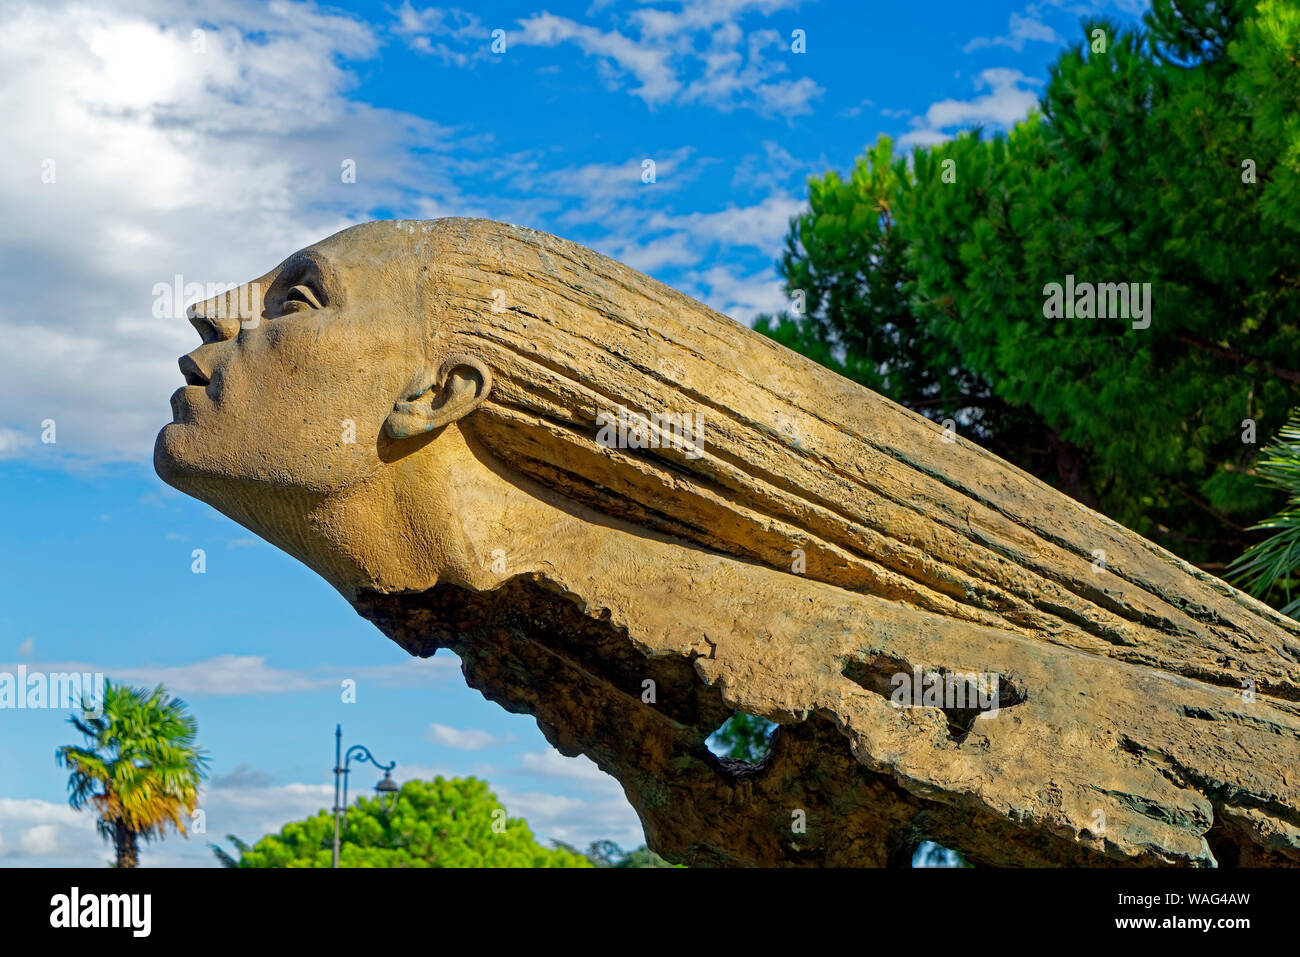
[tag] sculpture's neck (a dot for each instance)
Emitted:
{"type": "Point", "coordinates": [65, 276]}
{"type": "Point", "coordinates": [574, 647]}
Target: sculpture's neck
{"type": "Point", "coordinates": [452, 515]}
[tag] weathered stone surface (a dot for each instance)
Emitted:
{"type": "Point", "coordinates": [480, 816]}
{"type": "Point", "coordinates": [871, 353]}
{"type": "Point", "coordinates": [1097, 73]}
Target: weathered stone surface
{"type": "Point", "coordinates": [817, 542]}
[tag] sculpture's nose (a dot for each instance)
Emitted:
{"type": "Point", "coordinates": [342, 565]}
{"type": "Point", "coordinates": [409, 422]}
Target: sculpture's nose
{"type": "Point", "coordinates": [220, 317]}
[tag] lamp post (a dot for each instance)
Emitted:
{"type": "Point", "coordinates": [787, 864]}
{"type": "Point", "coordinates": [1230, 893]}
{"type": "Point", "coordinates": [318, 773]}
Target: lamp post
{"type": "Point", "coordinates": [387, 787]}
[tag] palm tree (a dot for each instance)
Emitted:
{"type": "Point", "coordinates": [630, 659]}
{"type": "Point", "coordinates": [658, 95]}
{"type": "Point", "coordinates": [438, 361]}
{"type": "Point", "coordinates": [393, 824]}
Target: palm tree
{"type": "Point", "coordinates": [225, 857]}
{"type": "Point", "coordinates": [140, 768]}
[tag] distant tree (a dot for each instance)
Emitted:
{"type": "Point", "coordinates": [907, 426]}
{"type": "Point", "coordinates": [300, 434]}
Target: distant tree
{"type": "Point", "coordinates": [140, 768]}
{"type": "Point", "coordinates": [609, 854]}
{"type": "Point", "coordinates": [446, 822]}
{"type": "Point", "coordinates": [743, 737]}
{"type": "Point", "coordinates": [930, 854]}
{"type": "Point", "coordinates": [643, 857]}
{"type": "Point", "coordinates": [1167, 154]}
{"type": "Point", "coordinates": [599, 853]}
{"type": "Point", "coordinates": [604, 853]}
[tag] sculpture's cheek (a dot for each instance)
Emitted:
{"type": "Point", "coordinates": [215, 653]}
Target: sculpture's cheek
{"type": "Point", "coordinates": [298, 401]}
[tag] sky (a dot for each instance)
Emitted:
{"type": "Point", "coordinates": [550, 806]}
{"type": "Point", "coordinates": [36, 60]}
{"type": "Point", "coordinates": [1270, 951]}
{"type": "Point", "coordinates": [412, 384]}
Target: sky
{"type": "Point", "coordinates": [146, 141]}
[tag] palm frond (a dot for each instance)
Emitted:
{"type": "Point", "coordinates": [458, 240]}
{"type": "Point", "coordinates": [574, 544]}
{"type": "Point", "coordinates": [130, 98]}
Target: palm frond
{"type": "Point", "coordinates": [140, 767]}
{"type": "Point", "coordinates": [1272, 567]}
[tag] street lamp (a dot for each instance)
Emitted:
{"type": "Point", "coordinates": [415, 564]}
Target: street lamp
{"type": "Point", "coordinates": [386, 788]}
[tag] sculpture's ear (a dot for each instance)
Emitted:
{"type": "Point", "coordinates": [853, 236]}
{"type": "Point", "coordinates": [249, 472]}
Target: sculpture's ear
{"type": "Point", "coordinates": [459, 387]}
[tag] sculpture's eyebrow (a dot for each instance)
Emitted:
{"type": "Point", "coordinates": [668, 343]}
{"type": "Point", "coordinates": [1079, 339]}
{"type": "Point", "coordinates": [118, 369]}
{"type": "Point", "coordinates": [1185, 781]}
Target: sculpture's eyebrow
{"type": "Point", "coordinates": [298, 265]}
{"type": "Point", "coordinates": [315, 268]}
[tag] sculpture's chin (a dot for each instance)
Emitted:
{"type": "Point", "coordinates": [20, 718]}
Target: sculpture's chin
{"type": "Point", "coordinates": [168, 460]}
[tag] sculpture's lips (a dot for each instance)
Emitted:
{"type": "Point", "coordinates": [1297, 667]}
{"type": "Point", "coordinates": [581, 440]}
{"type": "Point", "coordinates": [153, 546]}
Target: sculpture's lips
{"type": "Point", "coordinates": [180, 402]}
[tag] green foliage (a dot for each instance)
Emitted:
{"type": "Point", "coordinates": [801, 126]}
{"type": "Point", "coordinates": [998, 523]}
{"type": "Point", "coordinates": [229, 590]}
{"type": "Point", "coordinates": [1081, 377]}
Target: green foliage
{"type": "Point", "coordinates": [930, 854]}
{"type": "Point", "coordinates": [609, 854]}
{"type": "Point", "coordinates": [140, 768]}
{"type": "Point", "coordinates": [1266, 57]}
{"type": "Point", "coordinates": [925, 276]}
{"type": "Point", "coordinates": [1273, 566]}
{"type": "Point", "coordinates": [743, 737]}
{"type": "Point", "coordinates": [225, 857]}
{"type": "Point", "coordinates": [643, 857]}
{"type": "Point", "coordinates": [438, 823]}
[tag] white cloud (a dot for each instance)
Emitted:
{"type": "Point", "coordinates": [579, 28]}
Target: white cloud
{"type": "Point", "coordinates": [696, 54]}
{"type": "Point", "coordinates": [742, 298]}
{"type": "Point", "coordinates": [763, 225]}
{"type": "Point", "coordinates": [730, 73]}
{"type": "Point", "coordinates": [35, 833]}
{"type": "Point", "coordinates": [1006, 104]}
{"type": "Point", "coordinates": [692, 240]}
{"type": "Point", "coordinates": [923, 137]}
{"type": "Point", "coordinates": [428, 31]}
{"type": "Point", "coordinates": [1030, 26]}
{"type": "Point", "coordinates": [1020, 30]}
{"type": "Point", "coordinates": [603, 194]}
{"type": "Point", "coordinates": [39, 839]}
{"type": "Point", "coordinates": [214, 164]}
{"type": "Point", "coordinates": [576, 820]}
{"type": "Point", "coordinates": [14, 441]}
{"type": "Point", "coordinates": [222, 675]}
{"type": "Point", "coordinates": [600, 811]}
{"type": "Point", "coordinates": [553, 764]}
{"type": "Point", "coordinates": [467, 739]}
{"type": "Point", "coordinates": [26, 647]}
{"type": "Point", "coordinates": [248, 812]}
{"type": "Point", "coordinates": [236, 675]}
{"type": "Point", "coordinates": [854, 111]}
{"type": "Point", "coordinates": [700, 15]}
{"type": "Point", "coordinates": [677, 249]}
{"type": "Point", "coordinates": [39, 833]}
{"type": "Point", "coordinates": [649, 65]}
{"type": "Point", "coordinates": [166, 160]}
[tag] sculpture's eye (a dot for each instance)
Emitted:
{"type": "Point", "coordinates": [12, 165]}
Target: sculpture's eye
{"type": "Point", "coordinates": [301, 297]}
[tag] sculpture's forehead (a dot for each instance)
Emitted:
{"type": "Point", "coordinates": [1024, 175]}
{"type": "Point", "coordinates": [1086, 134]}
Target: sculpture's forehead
{"type": "Point", "coordinates": [367, 243]}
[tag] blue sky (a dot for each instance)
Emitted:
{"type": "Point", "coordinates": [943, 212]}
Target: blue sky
{"type": "Point", "coordinates": [138, 149]}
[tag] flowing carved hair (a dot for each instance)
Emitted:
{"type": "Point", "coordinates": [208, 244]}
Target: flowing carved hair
{"type": "Point", "coordinates": [800, 464]}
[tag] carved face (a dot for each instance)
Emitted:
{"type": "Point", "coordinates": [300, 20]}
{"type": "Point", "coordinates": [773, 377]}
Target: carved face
{"type": "Point", "coordinates": [299, 369]}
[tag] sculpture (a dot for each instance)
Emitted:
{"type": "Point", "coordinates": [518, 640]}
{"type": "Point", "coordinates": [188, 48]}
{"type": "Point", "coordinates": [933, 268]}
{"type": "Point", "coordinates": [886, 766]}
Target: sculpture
{"type": "Point", "coordinates": [478, 434]}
